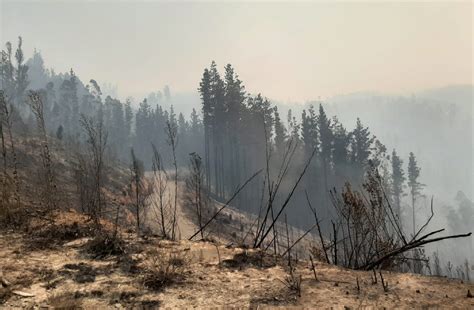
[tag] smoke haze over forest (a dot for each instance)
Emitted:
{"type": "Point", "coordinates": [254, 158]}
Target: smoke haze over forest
{"type": "Point", "coordinates": [291, 53]}
{"type": "Point", "coordinates": [288, 51]}
{"type": "Point", "coordinates": [313, 104]}
{"type": "Point", "coordinates": [155, 44]}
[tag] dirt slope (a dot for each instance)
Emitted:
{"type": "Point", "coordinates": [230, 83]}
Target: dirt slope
{"type": "Point", "coordinates": [61, 274]}
{"type": "Point", "coordinates": [212, 276]}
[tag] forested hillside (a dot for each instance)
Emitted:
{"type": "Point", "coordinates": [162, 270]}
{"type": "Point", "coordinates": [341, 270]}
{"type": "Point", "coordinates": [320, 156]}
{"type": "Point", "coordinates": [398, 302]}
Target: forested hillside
{"type": "Point", "coordinates": [234, 132]}
{"type": "Point", "coordinates": [310, 171]}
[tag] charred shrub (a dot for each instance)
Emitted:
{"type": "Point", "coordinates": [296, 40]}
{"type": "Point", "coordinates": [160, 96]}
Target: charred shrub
{"type": "Point", "coordinates": [103, 246]}
{"type": "Point", "coordinates": [250, 258]}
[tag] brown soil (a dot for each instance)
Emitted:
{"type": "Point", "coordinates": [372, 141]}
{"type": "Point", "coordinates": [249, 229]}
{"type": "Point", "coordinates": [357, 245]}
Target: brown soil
{"type": "Point", "coordinates": [66, 277]}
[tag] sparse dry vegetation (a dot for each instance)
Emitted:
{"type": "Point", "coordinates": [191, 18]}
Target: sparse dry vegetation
{"type": "Point", "coordinates": [65, 301]}
{"type": "Point", "coordinates": [85, 226]}
{"type": "Point", "coordinates": [104, 246]}
{"type": "Point", "coordinates": [163, 268]}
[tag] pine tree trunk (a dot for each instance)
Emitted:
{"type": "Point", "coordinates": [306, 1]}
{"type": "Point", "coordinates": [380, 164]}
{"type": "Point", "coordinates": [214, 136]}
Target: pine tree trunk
{"type": "Point", "coordinates": [413, 207]}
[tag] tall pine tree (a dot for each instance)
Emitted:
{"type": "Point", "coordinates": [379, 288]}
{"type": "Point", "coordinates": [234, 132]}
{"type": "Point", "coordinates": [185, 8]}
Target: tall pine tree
{"type": "Point", "coordinates": [398, 182]}
{"type": "Point", "coordinates": [413, 184]}
{"type": "Point", "coordinates": [280, 133]}
{"type": "Point", "coordinates": [207, 113]}
{"type": "Point", "coordinates": [340, 148]}
{"type": "Point", "coordinates": [361, 146]}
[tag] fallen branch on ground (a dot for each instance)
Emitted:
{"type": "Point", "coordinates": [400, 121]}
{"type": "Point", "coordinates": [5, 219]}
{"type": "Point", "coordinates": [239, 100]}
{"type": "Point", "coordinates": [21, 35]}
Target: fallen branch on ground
{"type": "Point", "coordinates": [412, 245]}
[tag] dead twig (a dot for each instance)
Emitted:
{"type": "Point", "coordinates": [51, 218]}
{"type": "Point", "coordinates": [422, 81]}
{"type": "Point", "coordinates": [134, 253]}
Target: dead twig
{"type": "Point", "coordinates": [319, 228]}
{"type": "Point", "coordinates": [384, 284]}
{"type": "Point", "coordinates": [314, 269]}
{"type": "Point", "coordinates": [411, 245]}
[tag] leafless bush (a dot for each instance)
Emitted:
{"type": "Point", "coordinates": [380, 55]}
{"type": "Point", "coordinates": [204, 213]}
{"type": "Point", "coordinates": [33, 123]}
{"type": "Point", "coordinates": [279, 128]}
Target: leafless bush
{"type": "Point", "coordinates": [160, 202]}
{"type": "Point", "coordinates": [196, 195]}
{"type": "Point", "coordinates": [13, 212]}
{"type": "Point", "coordinates": [172, 133]}
{"type": "Point", "coordinates": [367, 234]}
{"type": "Point", "coordinates": [94, 170]}
{"type": "Point", "coordinates": [419, 261]}
{"type": "Point", "coordinates": [5, 176]}
{"type": "Point", "coordinates": [365, 224]}
{"type": "Point", "coordinates": [293, 282]}
{"type": "Point", "coordinates": [10, 183]}
{"type": "Point", "coordinates": [467, 270]}
{"type": "Point", "coordinates": [436, 265]}
{"type": "Point", "coordinates": [162, 268]}
{"type": "Point", "coordinates": [49, 192]}
{"type": "Point", "coordinates": [460, 272]}
{"type": "Point", "coordinates": [83, 179]}
{"type": "Point", "coordinates": [449, 269]}
{"type": "Point", "coordinates": [140, 189]}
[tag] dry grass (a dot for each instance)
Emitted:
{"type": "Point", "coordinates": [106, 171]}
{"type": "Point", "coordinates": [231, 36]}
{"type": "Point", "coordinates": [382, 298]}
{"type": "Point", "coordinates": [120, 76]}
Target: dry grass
{"type": "Point", "coordinates": [64, 278]}
{"type": "Point", "coordinates": [65, 301]}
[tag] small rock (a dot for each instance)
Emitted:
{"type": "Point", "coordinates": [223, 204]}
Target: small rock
{"type": "Point", "coordinates": [23, 294]}
{"type": "Point", "coordinates": [469, 295]}
{"type": "Point", "coordinates": [418, 291]}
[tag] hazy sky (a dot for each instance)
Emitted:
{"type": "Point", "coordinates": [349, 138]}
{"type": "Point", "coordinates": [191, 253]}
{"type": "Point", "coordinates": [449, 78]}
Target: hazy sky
{"type": "Point", "coordinates": [286, 50]}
